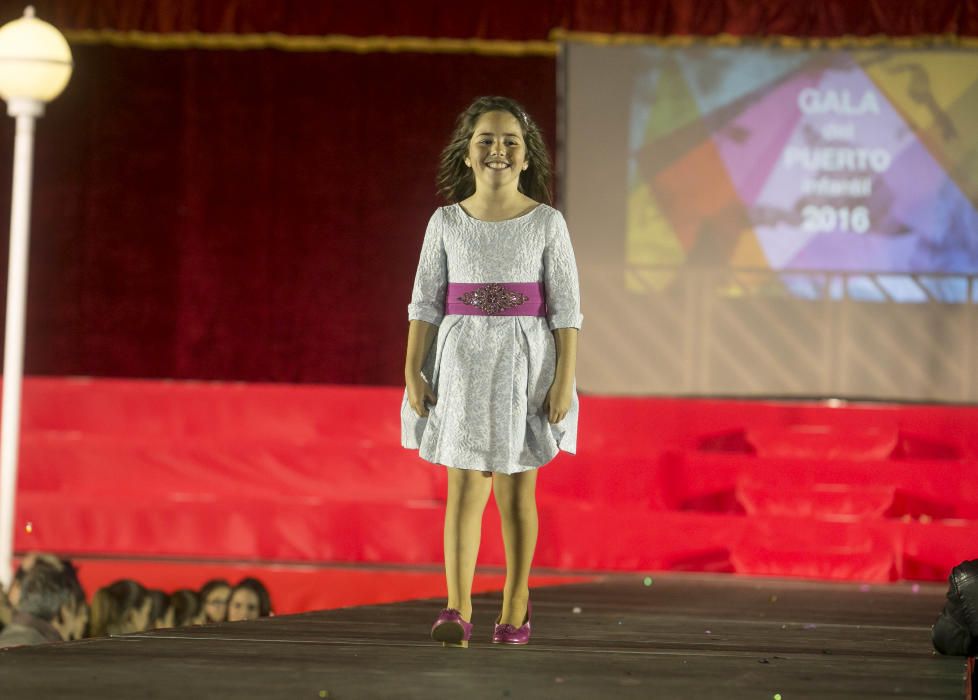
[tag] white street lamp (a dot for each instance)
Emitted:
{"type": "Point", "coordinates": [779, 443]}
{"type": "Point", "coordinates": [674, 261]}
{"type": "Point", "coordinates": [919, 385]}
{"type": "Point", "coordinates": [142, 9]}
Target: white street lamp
{"type": "Point", "coordinates": [35, 65]}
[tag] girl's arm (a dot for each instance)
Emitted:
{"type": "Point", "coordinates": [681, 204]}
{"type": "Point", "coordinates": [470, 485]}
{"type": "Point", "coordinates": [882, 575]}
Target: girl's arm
{"type": "Point", "coordinates": [420, 336]}
{"type": "Point", "coordinates": [425, 313]}
{"type": "Point", "coordinates": [566, 342]}
{"type": "Point", "coordinates": [563, 316]}
{"type": "Point", "coordinates": [560, 394]}
{"type": "Point", "coordinates": [560, 277]}
{"type": "Point", "coordinates": [419, 392]}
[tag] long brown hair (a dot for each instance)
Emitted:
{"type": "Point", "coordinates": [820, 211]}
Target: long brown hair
{"type": "Point", "coordinates": [455, 178]}
{"type": "Point", "coordinates": [186, 607]}
{"type": "Point", "coordinates": [111, 604]}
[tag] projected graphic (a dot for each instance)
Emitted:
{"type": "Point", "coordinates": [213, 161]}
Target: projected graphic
{"type": "Point", "coordinates": [790, 161]}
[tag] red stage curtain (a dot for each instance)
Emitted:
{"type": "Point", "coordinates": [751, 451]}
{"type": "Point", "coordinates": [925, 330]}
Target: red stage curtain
{"type": "Point", "coordinates": [514, 19]}
{"type": "Point", "coordinates": [252, 215]}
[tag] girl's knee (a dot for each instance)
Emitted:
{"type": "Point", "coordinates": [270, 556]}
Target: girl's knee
{"type": "Point", "coordinates": [514, 501]}
{"type": "Point", "coordinates": [468, 485]}
{"type": "Point", "coordinates": [519, 485]}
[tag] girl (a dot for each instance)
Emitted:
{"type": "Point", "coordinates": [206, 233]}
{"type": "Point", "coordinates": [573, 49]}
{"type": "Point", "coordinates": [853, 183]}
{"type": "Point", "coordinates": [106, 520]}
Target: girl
{"type": "Point", "coordinates": [249, 600]}
{"type": "Point", "coordinates": [120, 608]}
{"type": "Point", "coordinates": [160, 611]}
{"type": "Point", "coordinates": [214, 595]}
{"type": "Point", "coordinates": [490, 390]}
{"type": "Point", "coordinates": [187, 608]}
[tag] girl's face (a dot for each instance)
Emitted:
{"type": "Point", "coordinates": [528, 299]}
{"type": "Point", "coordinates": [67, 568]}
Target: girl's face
{"type": "Point", "coordinates": [216, 605]}
{"type": "Point", "coordinates": [497, 152]}
{"type": "Point", "coordinates": [243, 605]}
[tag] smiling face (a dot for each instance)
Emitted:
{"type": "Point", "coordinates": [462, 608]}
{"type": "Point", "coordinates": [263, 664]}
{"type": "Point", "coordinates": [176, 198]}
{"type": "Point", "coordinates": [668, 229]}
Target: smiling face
{"type": "Point", "coordinates": [497, 152]}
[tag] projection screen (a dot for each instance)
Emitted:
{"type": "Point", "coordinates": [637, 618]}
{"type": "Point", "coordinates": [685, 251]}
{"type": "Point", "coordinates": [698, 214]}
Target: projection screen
{"type": "Point", "coordinates": [761, 221]}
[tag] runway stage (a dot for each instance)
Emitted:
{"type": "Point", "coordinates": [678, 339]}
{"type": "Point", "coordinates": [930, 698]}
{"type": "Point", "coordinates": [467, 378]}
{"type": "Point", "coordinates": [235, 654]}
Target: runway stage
{"type": "Point", "coordinates": [681, 636]}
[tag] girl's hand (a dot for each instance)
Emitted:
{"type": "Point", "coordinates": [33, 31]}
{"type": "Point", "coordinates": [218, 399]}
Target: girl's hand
{"type": "Point", "coordinates": [558, 400]}
{"type": "Point", "coordinates": [419, 393]}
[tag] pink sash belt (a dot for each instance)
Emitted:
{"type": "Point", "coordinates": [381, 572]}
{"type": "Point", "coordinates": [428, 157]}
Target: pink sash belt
{"type": "Point", "coordinates": [496, 299]}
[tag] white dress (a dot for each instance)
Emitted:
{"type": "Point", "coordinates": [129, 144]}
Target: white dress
{"type": "Point", "coordinates": [491, 374]}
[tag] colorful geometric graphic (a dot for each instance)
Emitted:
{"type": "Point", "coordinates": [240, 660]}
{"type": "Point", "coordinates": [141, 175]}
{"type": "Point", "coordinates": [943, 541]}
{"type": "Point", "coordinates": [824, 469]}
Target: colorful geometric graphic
{"type": "Point", "coordinates": [860, 162]}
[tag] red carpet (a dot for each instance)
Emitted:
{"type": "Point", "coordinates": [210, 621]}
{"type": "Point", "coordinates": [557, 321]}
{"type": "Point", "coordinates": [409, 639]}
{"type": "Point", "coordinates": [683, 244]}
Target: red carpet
{"type": "Point", "coordinates": [317, 474]}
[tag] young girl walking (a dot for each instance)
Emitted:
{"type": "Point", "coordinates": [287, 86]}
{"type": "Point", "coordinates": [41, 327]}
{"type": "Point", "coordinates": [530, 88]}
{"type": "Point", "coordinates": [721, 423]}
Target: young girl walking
{"type": "Point", "coordinates": [491, 351]}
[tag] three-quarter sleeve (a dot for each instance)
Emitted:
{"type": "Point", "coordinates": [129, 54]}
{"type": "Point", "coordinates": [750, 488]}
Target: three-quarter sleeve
{"type": "Point", "coordinates": [431, 280]}
{"type": "Point", "coordinates": [560, 277]}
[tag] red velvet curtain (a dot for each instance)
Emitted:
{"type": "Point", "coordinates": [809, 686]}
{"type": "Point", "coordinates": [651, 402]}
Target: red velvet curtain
{"type": "Point", "coordinates": [257, 215]}
{"type": "Point", "coordinates": [517, 19]}
{"type": "Point", "coordinates": [252, 215]}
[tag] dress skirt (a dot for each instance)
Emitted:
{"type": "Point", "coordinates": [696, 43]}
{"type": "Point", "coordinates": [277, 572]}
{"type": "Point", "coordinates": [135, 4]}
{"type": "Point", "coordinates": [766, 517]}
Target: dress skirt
{"type": "Point", "coordinates": [491, 373]}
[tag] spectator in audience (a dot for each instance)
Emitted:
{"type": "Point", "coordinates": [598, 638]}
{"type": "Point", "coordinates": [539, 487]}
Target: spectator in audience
{"type": "Point", "coordinates": [26, 564]}
{"type": "Point", "coordinates": [249, 600]}
{"type": "Point", "coordinates": [126, 606]}
{"type": "Point", "coordinates": [120, 608]}
{"type": "Point", "coordinates": [48, 608]}
{"type": "Point", "coordinates": [161, 612]}
{"type": "Point", "coordinates": [214, 595]}
{"type": "Point", "coordinates": [187, 609]}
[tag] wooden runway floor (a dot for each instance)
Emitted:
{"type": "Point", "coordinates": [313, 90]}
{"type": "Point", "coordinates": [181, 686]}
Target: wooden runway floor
{"type": "Point", "coordinates": [683, 636]}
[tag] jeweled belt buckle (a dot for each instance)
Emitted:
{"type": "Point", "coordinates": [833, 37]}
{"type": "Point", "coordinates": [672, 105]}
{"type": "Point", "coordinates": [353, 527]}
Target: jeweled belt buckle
{"type": "Point", "coordinates": [493, 298]}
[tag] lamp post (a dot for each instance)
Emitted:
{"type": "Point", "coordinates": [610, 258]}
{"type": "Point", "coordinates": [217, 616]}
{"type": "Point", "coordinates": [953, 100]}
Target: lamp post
{"type": "Point", "coordinates": [35, 65]}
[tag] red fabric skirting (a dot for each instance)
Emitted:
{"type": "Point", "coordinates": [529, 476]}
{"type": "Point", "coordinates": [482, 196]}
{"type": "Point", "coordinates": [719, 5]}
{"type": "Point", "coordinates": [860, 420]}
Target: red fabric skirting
{"type": "Point", "coordinates": [216, 471]}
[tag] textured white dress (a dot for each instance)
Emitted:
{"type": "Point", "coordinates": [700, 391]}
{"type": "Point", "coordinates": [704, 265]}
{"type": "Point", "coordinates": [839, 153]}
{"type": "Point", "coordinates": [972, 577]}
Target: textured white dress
{"type": "Point", "coordinates": [491, 374]}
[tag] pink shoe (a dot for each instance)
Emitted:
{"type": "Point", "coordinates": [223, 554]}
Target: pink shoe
{"type": "Point", "coordinates": [507, 634]}
{"type": "Point", "coordinates": [450, 628]}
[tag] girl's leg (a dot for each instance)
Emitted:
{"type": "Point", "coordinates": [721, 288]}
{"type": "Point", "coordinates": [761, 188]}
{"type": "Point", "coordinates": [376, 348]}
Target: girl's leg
{"type": "Point", "coordinates": [516, 500]}
{"type": "Point", "coordinates": [468, 493]}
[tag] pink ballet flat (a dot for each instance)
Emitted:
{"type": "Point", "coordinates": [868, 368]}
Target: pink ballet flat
{"type": "Point", "coordinates": [507, 634]}
{"type": "Point", "coordinates": [450, 628]}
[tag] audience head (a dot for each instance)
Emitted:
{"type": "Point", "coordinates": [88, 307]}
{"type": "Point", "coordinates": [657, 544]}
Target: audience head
{"type": "Point", "coordinates": [51, 594]}
{"type": "Point", "coordinates": [187, 609]}
{"type": "Point", "coordinates": [214, 597]}
{"type": "Point", "coordinates": [119, 608]}
{"type": "Point", "coordinates": [51, 591]}
{"type": "Point", "coordinates": [26, 564]}
{"type": "Point", "coordinates": [161, 612]}
{"type": "Point", "coordinates": [249, 600]}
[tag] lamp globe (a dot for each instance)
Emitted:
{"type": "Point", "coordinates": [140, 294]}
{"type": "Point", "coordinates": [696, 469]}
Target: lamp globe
{"type": "Point", "coordinates": [35, 61]}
